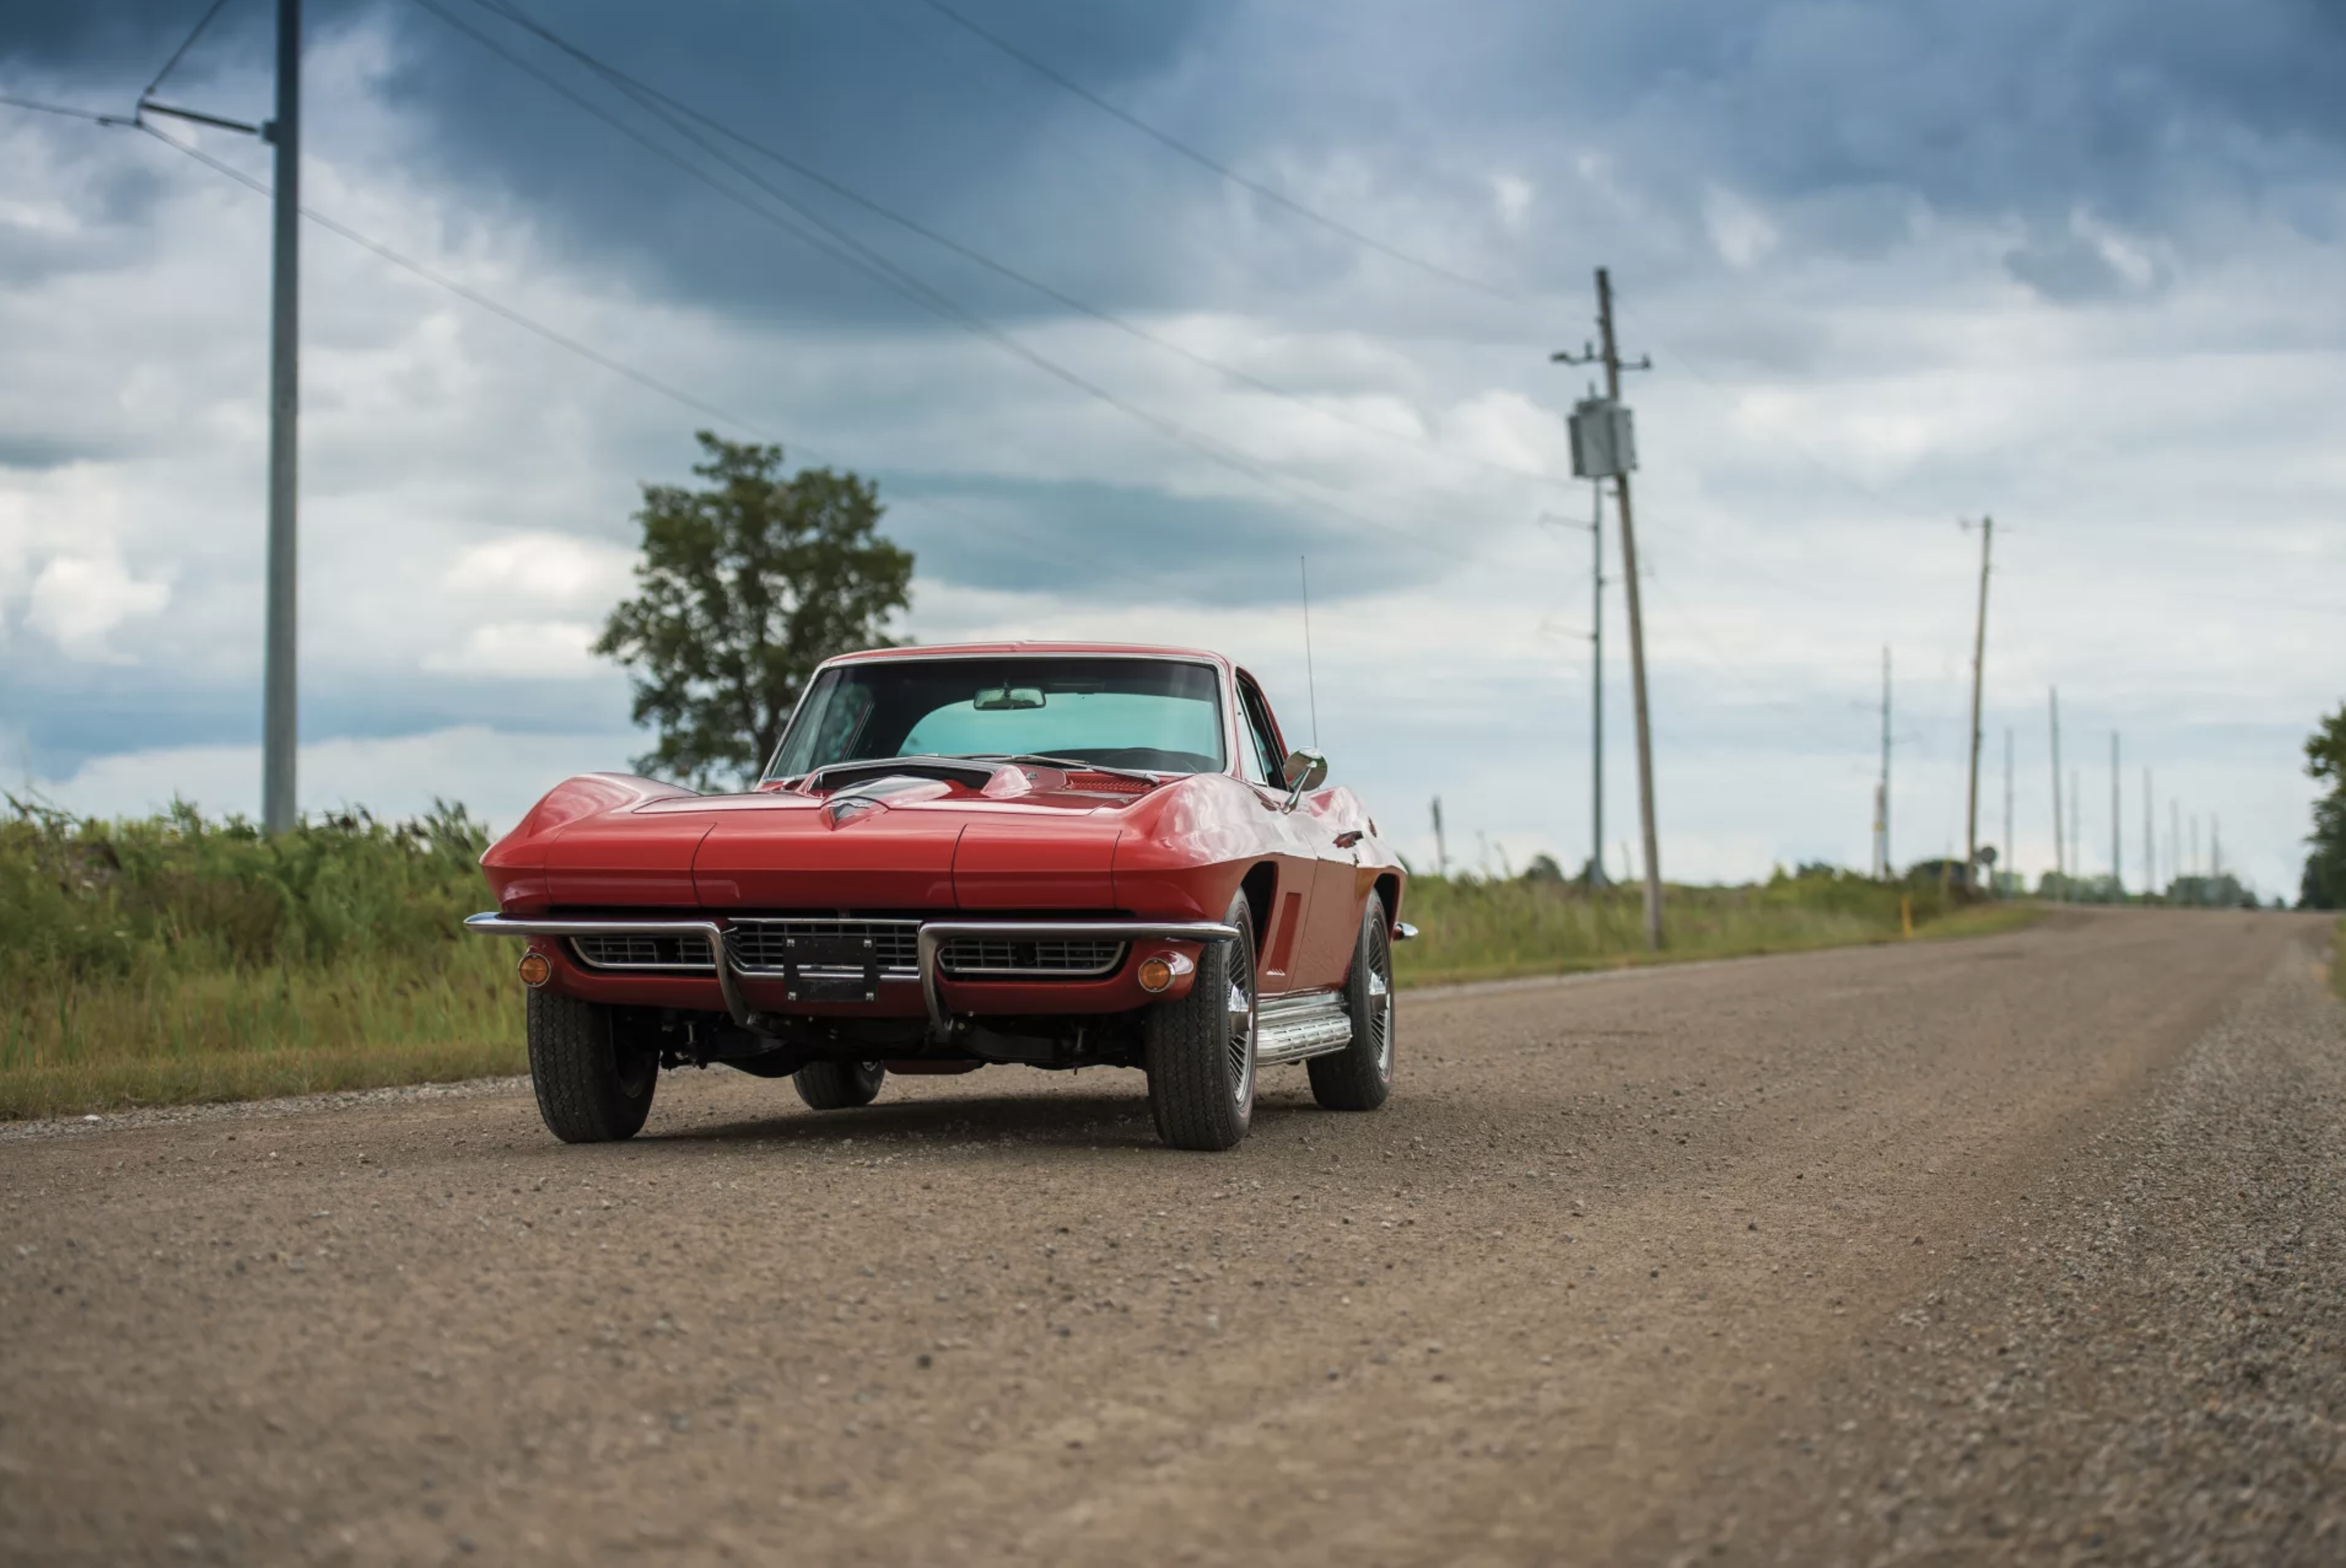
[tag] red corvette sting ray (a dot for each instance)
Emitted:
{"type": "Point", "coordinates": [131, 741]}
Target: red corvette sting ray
{"type": "Point", "coordinates": [1060, 855]}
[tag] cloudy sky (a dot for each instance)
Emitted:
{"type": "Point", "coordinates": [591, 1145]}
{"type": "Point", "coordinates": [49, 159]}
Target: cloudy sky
{"type": "Point", "coordinates": [1895, 266]}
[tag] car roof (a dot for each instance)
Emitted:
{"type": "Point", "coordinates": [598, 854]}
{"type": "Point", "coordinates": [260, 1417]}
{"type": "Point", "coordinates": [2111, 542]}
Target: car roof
{"type": "Point", "coordinates": [1031, 649]}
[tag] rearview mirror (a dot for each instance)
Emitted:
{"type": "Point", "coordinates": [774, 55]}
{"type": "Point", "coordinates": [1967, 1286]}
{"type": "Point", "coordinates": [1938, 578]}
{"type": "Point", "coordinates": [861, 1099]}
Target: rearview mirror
{"type": "Point", "coordinates": [1304, 772]}
{"type": "Point", "coordinates": [999, 699]}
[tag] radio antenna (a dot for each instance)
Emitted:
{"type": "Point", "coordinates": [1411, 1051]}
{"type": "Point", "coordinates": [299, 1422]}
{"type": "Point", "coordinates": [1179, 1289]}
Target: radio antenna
{"type": "Point", "coordinates": [1310, 681]}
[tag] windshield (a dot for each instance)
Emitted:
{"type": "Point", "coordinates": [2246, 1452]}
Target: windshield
{"type": "Point", "coordinates": [1157, 716]}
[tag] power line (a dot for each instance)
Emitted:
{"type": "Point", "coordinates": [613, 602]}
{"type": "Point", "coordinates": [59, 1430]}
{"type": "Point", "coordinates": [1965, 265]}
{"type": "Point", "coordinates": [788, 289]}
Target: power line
{"type": "Point", "coordinates": [70, 113]}
{"type": "Point", "coordinates": [441, 279]}
{"type": "Point", "coordinates": [641, 90]}
{"type": "Point", "coordinates": [1175, 143]}
{"type": "Point", "coordinates": [853, 252]}
{"type": "Point", "coordinates": [995, 527]}
{"type": "Point", "coordinates": [181, 53]}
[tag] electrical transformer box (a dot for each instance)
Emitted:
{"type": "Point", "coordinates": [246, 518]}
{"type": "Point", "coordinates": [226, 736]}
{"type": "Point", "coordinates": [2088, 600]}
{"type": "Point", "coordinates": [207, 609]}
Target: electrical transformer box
{"type": "Point", "coordinates": [1603, 439]}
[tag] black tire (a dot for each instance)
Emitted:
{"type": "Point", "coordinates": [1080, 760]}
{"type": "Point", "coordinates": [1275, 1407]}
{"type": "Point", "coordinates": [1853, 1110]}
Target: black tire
{"type": "Point", "coordinates": [1199, 1050]}
{"type": "Point", "coordinates": [839, 1085]}
{"type": "Point", "coordinates": [1360, 1076]}
{"type": "Point", "coordinates": [594, 1081]}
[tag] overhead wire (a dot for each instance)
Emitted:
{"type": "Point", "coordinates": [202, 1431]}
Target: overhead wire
{"type": "Point", "coordinates": [641, 90]}
{"type": "Point", "coordinates": [181, 52]}
{"type": "Point", "coordinates": [853, 252]}
{"type": "Point", "coordinates": [1041, 549]}
{"type": "Point", "coordinates": [1183, 150]}
{"type": "Point", "coordinates": [93, 115]}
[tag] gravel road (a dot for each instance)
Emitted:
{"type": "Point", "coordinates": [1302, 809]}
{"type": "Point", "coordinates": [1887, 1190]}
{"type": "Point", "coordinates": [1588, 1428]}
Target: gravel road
{"type": "Point", "coordinates": [2031, 1248]}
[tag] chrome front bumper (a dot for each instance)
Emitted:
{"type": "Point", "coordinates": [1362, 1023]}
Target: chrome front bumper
{"type": "Point", "coordinates": [931, 941]}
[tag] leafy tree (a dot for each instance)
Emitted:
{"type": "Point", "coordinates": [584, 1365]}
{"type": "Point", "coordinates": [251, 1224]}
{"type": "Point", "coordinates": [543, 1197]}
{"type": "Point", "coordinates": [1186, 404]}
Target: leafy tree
{"type": "Point", "coordinates": [2324, 887]}
{"type": "Point", "coordinates": [746, 583]}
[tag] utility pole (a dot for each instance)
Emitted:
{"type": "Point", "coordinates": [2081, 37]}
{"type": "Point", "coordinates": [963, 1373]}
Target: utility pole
{"type": "Point", "coordinates": [1621, 459]}
{"type": "Point", "coordinates": [280, 684]}
{"type": "Point", "coordinates": [2060, 861]}
{"type": "Point", "coordinates": [2006, 855]}
{"type": "Point", "coordinates": [1440, 844]}
{"type": "Point", "coordinates": [2076, 834]}
{"type": "Point", "coordinates": [2117, 870]}
{"type": "Point", "coordinates": [1979, 675]}
{"type": "Point", "coordinates": [1596, 687]}
{"type": "Point", "coordinates": [1888, 865]}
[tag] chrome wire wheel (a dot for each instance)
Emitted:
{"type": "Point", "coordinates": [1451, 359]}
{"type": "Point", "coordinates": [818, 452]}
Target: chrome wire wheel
{"type": "Point", "coordinates": [1378, 1023]}
{"type": "Point", "coordinates": [1200, 1048]}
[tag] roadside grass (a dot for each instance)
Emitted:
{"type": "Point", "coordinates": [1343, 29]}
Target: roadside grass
{"type": "Point", "coordinates": [2337, 958]}
{"type": "Point", "coordinates": [1471, 930]}
{"type": "Point", "coordinates": [177, 959]}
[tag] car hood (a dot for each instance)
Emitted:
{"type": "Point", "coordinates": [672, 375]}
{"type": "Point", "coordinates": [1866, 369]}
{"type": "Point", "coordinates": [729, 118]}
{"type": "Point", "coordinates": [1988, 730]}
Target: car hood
{"type": "Point", "coordinates": [903, 843]}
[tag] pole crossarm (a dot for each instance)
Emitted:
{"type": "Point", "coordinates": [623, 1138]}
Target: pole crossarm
{"type": "Point", "coordinates": [149, 106]}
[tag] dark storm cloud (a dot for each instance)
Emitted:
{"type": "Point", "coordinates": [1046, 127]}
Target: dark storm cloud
{"type": "Point", "coordinates": [1840, 116]}
{"type": "Point", "coordinates": [1117, 544]}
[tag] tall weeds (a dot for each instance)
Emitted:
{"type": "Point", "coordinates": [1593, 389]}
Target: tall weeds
{"type": "Point", "coordinates": [177, 958]}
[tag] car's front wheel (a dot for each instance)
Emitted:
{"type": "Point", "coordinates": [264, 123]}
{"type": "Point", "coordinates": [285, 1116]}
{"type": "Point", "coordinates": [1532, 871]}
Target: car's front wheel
{"type": "Point", "coordinates": [1199, 1050]}
{"type": "Point", "coordinates": [838, 1086]}
{"type": "Point", "coordinates": [593, 1072]}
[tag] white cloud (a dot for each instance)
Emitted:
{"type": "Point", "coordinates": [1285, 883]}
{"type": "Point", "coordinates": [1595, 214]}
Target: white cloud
{"type": "Point", "coordinates": [1739, 232]}
{"type": "Point", "coordinates": [78, 601]}
{"type": "Point", "coordinates": [522, 650]}
{"type": "Point", "coordinates": [497, 774]}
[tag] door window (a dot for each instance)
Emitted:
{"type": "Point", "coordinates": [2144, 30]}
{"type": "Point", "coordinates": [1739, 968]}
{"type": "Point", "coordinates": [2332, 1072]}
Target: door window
{"type": "Point", "coordinates": [1259, 757]}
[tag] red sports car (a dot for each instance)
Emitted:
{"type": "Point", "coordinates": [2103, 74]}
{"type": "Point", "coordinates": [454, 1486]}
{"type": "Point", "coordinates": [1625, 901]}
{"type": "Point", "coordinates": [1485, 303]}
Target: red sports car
{"type": "Point", "coordinates": [1059, 855]}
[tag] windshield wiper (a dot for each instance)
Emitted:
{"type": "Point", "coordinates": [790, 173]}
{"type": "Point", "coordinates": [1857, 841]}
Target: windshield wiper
{"type": "Point", "coordinates": [1064, 763]}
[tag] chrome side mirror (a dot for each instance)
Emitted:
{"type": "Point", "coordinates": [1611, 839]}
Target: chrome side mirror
{"type": "Point", "coordinates": [1304, 772]}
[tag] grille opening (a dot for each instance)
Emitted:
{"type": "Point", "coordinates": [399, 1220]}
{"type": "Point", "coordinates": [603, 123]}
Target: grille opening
{"type": "Point", "coordinates": [761, 946]}
{"type": "Point", "coordinates": [627, 950]}
{"type": "Point", "coordinates": [980, 956]}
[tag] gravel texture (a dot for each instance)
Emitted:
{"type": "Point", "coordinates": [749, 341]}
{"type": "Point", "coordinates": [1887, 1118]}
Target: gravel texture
{"type": "Point", "coordinates": [2021, 1249]}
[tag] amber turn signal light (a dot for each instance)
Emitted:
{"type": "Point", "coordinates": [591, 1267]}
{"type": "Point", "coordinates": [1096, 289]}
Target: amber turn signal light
{"type": "Point", "coordinates": [1156, 974]}
{"type": "Point", "coordinates": [534, 969]}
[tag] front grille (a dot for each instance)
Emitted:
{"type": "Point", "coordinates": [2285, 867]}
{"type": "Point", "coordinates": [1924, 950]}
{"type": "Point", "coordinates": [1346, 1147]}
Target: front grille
{"type": "Point", "coordinates": [633, 950]}
{"type": "Point", "coordinates": [977, 956]}
{"type": "Point", "coordinates": [765, 946]}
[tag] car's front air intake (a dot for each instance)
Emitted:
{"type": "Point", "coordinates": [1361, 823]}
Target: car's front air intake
{"type": "Point", "coordinates": [973, 958]}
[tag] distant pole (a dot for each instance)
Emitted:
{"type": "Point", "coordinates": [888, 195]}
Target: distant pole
{"type": "Point", "coordinates": [2076, 834]}
{"type": "Point", "coordinates": [1979, 675]}
{"type": "Point", "coordinates": [2150, 840]}
{"type": "Point", "coordinates": [280, 684]}
{"type": "Point", "coordinates": [1596, 688]}
{"type": "Point", "coordinates": [2060, 861]}
{"type": "Point", "coordinates": [2117, 870]}
{"type": "Point", "coordinates": [1887, 863]}
{"type": "Point", "coordinates": [2006, 854]}
{"type": "Point", "coordinates": [1440, 844]}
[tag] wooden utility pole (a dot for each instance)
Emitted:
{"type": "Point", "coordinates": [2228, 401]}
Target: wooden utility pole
{"type": "Point", "coordinates": [2060, 861]}
{"type": "Point", "coordinates": [1889, 868]}
{"type": "Point", "coordinates": [2117, 867]}
{"type": "Point", "coordinates": [1596, 690]}
{"type": "Point", "coordinates": [1979, 672]}
{"type": "Point", "coordinates": [279, 682]}
{"type": "Point", "coordinates": [1637, 633]}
